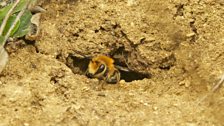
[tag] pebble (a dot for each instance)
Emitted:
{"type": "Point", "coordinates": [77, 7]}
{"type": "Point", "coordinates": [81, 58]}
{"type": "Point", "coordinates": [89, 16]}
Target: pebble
{"type": "Point", "coordinates": [102, 94]}
{"type": "Point", "coordinates": [26, 124]}
{"type": "Point", "coordinates": [190, 34]}
{"type": "Point", "coordinates": [122, 82]}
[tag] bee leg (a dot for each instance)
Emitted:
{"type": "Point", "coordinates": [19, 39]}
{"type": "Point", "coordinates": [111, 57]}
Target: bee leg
{"type": "Point", "coordinates": [100, 86]}
{"type": "Point", "coordinates": [112, 81]}
{"type": "Point", "coordinates": [114, 78]}
{"type": "Point", "coordinates": [102, 83]}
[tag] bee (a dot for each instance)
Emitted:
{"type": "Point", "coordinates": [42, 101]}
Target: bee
{"type": "Point", "coordinates": [103, 68]}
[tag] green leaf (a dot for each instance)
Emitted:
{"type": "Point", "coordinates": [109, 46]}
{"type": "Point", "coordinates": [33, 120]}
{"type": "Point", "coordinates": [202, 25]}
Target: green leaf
{"type": "Point", "coordinates": [4, 11]}
{"type": "Point", "coordinates": [24, 25]}
{"type": "Point", "coordinates": [18, 8]}
{"type": "Point", "coordinates": [9, 25]}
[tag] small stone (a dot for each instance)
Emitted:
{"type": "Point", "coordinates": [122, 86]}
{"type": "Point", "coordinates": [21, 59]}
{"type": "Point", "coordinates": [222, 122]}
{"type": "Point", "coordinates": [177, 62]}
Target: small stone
{"type": "Point", "coordinates": [85, 89]}
{"type": "Point", "coordinates": [77, 106]}
{"type": "Point", "coordinates": [102, 94]}
{"type": "Point", "coordinates": [146, 104]}
{"type": "Point", "coordinates": [181, 83]}
{"type": "Point", "coordinates": [191, 124]}
{"type": "Point", "coordinates": [187, 84]}
{"type": "Point", "coordinates": [155, 108]}
{"type": "Point", "coordinates": [26, 124]}
{"type": "Point", "coordinates": [122, 82]}
{"type": "Point", "coordinates": [190, 34]}
{"type": "Point", "coordinates": [151, 39]}
{"type": "Point", "coordinates": [192, 20]}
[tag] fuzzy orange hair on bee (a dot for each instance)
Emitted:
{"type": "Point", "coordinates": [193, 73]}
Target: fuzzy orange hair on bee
{"type": "Point", "coordinates": [103, 68]}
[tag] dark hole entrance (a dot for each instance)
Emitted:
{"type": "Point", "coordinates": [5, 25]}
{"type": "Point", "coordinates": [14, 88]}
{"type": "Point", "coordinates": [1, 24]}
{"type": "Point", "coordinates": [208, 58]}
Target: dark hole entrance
{"type": "Point", "coordinates": [80, 65]}
{"type": "Point", "coordinates": [130, 76]}
{"type": "Point", "coordinates": [77, 65]}
{"type": "Point", "coordinates": [120, 57]}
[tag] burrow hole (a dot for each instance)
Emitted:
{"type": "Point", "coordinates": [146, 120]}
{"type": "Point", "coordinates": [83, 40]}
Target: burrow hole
{"type": "Point", "coordinates": [80, 65]}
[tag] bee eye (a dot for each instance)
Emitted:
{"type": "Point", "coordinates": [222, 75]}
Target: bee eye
{"type": "Point", "coordinates": [101, 69]}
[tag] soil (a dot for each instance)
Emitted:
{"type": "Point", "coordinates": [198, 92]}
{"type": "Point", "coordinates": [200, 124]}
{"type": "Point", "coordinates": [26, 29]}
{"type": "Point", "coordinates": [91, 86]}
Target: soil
{"type": "Point", "coordinates": [173, 50]}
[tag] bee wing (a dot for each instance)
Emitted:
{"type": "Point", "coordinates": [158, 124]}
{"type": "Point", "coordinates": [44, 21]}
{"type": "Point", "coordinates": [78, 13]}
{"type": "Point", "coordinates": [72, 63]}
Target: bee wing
{"type": "Point", "coordinates": [122, 68]}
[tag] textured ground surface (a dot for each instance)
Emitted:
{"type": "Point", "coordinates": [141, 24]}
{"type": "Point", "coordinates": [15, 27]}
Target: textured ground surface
{"type": "Point", "coordinates": [177, 44]}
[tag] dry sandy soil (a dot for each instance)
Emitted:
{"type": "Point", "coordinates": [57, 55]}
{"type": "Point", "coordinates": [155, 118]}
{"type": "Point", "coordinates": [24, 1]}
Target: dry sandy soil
{"type": "Point", "coordinates": [174, 50]}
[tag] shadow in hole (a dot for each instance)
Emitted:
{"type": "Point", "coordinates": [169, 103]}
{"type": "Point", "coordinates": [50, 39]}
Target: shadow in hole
{"type": "Point", "coordinates": [77, 65]}
{"type": "Point", "coordinates": [130, 76]}
{"type": "Point", "coordinates": [80, 65]}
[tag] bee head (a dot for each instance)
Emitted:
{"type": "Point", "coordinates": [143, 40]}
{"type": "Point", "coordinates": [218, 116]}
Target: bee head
{"type": "Point", "coordinates": [96, 69]}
